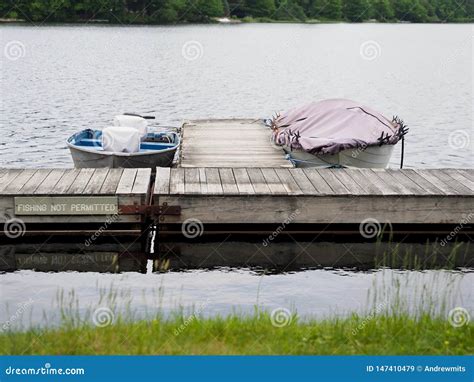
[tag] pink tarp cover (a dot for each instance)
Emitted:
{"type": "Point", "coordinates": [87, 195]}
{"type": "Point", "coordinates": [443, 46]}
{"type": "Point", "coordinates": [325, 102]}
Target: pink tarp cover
{"type": "Point", "coordinates": [330, 126]}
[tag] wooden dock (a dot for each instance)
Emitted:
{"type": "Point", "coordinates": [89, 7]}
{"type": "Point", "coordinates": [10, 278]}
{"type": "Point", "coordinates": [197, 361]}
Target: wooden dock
{"type": "Point", "coordinates": [64, 200]}
{"type": "Point", "coordinates": [229, 143]}
{"type": "Point", "coordinates": [314, 196]}
{"type": "Point", "coordinates": [58, 199]}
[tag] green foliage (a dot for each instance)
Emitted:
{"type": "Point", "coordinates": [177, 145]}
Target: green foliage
{"type": "Point", "coordinates": [326, 9]}
{"type": "Point", "coordinates": [250, 335]}
{"type": "Point", "coordinates": [174, 11]}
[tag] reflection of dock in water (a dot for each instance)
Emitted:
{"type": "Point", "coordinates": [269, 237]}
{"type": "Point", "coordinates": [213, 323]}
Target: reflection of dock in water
{"type": "Point", "coordinates": [62, 257]}
{"type": "Point", "coordinates": [275, 257]}
{"type": "Point", "coordinates": [301, 255]}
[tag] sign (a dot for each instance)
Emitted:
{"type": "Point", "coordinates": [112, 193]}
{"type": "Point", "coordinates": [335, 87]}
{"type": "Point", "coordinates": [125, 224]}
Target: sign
{"type": "Point", "coordinates": [66, 205]}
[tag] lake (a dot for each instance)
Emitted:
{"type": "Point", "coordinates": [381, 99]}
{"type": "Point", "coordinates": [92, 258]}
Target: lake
{"type": "Point", "coordinates": [57, 80]}
{"type": "Point", "coordinates": [60, 79]}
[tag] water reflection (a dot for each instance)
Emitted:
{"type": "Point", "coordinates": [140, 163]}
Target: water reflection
{"type": "Point", "coordinates": [62, 257]}
{"type": "Point", "coordinates": [275, 258]}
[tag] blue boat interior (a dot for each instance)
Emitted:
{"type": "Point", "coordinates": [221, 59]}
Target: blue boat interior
{"type": "Point", "coordinates": [93, 139]}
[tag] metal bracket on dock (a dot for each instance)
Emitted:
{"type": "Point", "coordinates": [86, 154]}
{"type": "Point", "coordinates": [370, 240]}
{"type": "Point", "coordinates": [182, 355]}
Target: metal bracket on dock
{"type": "Point", "coordinates": [163, 209]}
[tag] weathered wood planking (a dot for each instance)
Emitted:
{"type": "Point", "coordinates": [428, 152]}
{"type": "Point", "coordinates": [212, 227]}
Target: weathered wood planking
{"type": "Point", "coordinates": [129, 186]}
{"type": "Point", "coordinates": [229, 143]}
{"type": "Point", "coordinates": [270, 195]}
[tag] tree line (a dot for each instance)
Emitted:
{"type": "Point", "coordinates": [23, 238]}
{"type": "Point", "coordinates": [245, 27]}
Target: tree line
{"type": "Point", "coordinates": [177, 11]}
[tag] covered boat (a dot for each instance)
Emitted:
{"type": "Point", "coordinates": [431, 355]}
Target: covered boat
{"type": "Point", "coordinates": [337, 132]}
{"type": "Point", "coordinates": [127, 144]}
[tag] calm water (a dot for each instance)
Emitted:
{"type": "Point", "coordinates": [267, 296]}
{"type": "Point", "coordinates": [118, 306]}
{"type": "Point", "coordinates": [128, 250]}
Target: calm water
{"type": "Point", "coordinates": [313, 279]}
{"type": "Point", "coordinates": [67, 78]}
{"type": "Point", "coordinates": [60, 79]}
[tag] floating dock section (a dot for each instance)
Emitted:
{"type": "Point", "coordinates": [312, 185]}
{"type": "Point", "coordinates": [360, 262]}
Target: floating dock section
{"type": "Point", "coordinates": [59, 201]}
{"type": "Point", "coordinates": [62, 201]}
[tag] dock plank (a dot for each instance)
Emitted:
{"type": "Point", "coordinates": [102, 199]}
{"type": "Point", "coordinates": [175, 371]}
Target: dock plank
{"type": "Point", "coordinates": [8, 178]}
{"type": "Point", "coordinates": [288, 181]}
{"type": "Point", "coordinates": [64, 183]}
{"type": "Point", "coordinates": [126, 182]}
{"type": "Point", "coordinates": [397, 187]}
{"type": "Point", "coordinates": [273, 182]}
{"type": "Point", "coordinates": [243, 181]}
{"type": "Point", "coordinates": [96, 181]}
{"type": "Point", "coordinates": [162, 181]}
{"type": "Point", "coordinates": [437, 182]}
{"type": "Point", "coordinates": [372, 177]}
{"type": "Point", "coordinates": [466, 184]}
{"type": "Point", "coordinates": [177, 181]}
{"type": "Point", "coordinates": [469, 174]}
{"type": "Point", "coordinates": [15, 186]}
{"type": "Point", "coordinates": [191, 181]}
{"type": "Point", "coordinates": [49, 183]}
{"type": "Point", "coordinates": [318, 181]}
{"type": "Point", "coordinates": [411, 186]}
{"type": "Point", "coordinates": [34, 182]}
{"type": "Point", "coordinates": [203, 180]}
{"type": "Point", "coordinates": [350, 184]}
{"type": "Point", "coordinates": [333, 181]}
{"type": "Point", "coordinates": [365, 183]}
{"type": "Point", "coordinates": [214, 185]}
{"type": "Point", "coordinates": [229, 143]}
{"type": "Point", "coordinates": [428, 187]}
{"type": "Point", "coordinates": [229, 186]}
{"type": "Point", "coordinates": [259, 183]}
{"type": "Point", "coordinates": [111, 181]}
{"type": "Point", "coordinates": [142, 181]}
{"type": "Point", "coordinates": [303, 182]}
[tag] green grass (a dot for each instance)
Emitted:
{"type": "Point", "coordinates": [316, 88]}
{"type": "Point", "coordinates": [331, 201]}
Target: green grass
{"type": "Point", "coordinates": [381, 335]}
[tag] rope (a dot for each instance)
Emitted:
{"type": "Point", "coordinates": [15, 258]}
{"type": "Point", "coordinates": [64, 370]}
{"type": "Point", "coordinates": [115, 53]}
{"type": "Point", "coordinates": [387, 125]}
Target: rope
{"type": "Point", "coordinates": [294, 161]}
{"type": "Point", "coordinates": [403, 152]}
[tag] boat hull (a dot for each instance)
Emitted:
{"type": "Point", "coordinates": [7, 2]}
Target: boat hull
{"type": "Point", "coordinates": [370, 157]}
{"type": "Point", "coordinates": [87, 159]}
{"type": "Point", "coordinates": [157, 150]}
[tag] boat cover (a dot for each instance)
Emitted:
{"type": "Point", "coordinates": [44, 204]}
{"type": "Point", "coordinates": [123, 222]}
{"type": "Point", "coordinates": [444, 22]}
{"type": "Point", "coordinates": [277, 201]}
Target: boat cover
{"type": "Point", "coordinates": [330, 126]}
{"type": "Point", "coordinates": [136, 122]}
{"type": "Point", "coordinates": [121, 139]}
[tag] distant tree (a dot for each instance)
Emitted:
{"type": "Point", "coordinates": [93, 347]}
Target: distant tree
{"type": "Point", "coordinates": [202, 10]}
{"type": "Point", "coordinates": [327, 9]}
{"type": "Point", "coordinates": [259, 8]}
{"type": "Point", "coordinates": [356, 10]}
{"type": "Point", "coordinates": [382, 10]}
{"type": "Point", "coordinates": [225, 5]}
{"type": "Point", "coordinates": [289, 10]}
{"type": "Point", "coordinates": [410, 10]}
{"type": "Point", "coordinates": [165, 11]}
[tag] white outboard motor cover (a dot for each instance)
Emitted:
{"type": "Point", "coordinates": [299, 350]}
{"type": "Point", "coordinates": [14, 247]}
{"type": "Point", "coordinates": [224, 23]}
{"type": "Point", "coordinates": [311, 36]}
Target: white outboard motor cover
{"type": "Point", "coordinates": [136, 122]}
{"type": "Point", "coordinates": [121, 139]}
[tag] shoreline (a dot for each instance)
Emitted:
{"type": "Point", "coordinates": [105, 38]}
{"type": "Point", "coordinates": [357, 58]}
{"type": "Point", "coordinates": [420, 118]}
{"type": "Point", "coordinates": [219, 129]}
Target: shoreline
{"type": "Point", "coordinates": [281, 334]}
{"type": "Point", "coordinates": [238, 22]}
